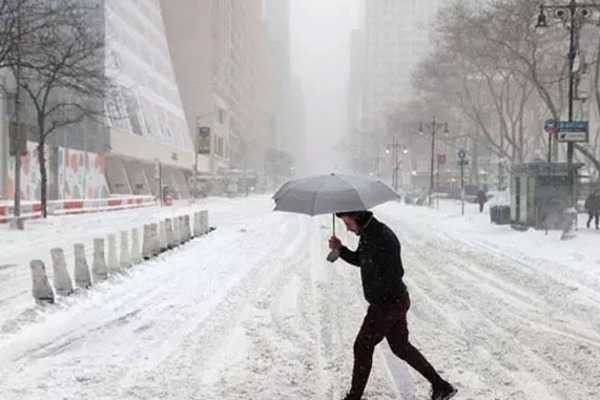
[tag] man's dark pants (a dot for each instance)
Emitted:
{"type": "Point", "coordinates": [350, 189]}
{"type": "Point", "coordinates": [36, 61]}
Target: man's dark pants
{"type": "Point", "coordinates": [594, 215]}
{"type": "Point", "coordinates": [386, 321]}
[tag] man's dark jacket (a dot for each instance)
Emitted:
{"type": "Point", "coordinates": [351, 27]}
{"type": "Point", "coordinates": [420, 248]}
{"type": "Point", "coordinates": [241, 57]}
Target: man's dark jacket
{"type": "Point", "coordinates": [378, 256]}
{"type": "Point", "coordinates": [592, 203]}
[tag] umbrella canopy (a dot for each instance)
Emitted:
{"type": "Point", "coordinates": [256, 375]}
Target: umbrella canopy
{"type": "Point", "coordinates": [326, 194]}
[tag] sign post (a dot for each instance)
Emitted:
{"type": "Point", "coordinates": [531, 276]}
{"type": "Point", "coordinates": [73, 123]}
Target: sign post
{"type": "Point", "coordinates": [441, 159]}
{"type": "Point", "coordinates": [462, 155]}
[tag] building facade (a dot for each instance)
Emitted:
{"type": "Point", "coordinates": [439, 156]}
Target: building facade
{"type": "Point", "coordinates": [148, 126]}
{"type": "Point", "coordinates": [384, 54]}
{"type": "Point", "coordinates": [145, 129]}
{"type": "Point", "coordinates": [396, 39]}
{"type": "Point", "coordinates": [227, 69]}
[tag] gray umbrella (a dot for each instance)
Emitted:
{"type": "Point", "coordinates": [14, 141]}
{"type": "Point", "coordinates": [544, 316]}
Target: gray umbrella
{"type": "Point", "coordinates": [333, 193]}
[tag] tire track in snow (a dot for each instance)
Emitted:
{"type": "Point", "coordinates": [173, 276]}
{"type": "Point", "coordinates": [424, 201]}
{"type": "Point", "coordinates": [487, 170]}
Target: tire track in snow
{"type": "Point", "coordinates": [485, 293]}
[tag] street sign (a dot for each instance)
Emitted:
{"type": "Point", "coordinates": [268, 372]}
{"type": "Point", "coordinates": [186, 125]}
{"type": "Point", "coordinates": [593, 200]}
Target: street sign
{"type": "Point", "coordinates": [463, 162]}
{"type": "Point", "coordinates": [550, 126]}
{"type": "Point", "coordinates": [441, 159]}
{"type": "Point", "coordinates": [204, 131]}
{"type": "Point", "coordinates": [203, 140]}
{"type": "Point", "coordinates": [462, 154]}
{"type": "Point", "coordinates": [575, 131]}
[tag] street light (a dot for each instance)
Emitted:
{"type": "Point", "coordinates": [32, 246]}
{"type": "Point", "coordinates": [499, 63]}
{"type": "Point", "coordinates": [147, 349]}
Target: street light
{"type": "Point", "coordinates": [573, 16]}
{"type": "Point", "coordinates": [433, 126]}
{"type": "Point", "coordinates": [394, 150]}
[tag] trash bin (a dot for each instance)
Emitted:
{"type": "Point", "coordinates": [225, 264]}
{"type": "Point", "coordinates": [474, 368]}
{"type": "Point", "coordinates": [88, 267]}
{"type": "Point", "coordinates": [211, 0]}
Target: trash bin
{"type": "Point", "coordinates": [500, 215]}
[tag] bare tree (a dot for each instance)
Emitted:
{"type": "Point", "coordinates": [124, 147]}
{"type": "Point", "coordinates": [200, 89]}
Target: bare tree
{"type": "Point", "coordinates": [62, 71]}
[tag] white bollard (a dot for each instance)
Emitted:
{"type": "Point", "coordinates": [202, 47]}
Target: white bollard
{"type": "Point", "coordinates": [155, 240]}
{"type": "Point", "coordinates": [62, 281]}
{"type": "Point", "coordinates": [197, 230]}
{"type": "Point", "coordinates": [113, 258]}
{"type": "Point", "coordinates": [176, 234]}
{"type": "Point", "coordinates": [99, 268]}
{"type": "Point", "coordinates": [188, 231]}
{"type": "Point", "coordinates": [204, 221]}
{"type": "Point", "coordinates": [181, 230]}
{"type": "Point", "coordinates": [169, 233]}
{"type": "Point", "coordinates": [147, 246]}
{"type": "Point", "coordinates": [162, 235]}
{"type": "Point", "coordinates": [41, 290]}
{"type": "Point", "coordinates": [136, 251]}
{"type": "Point", "coordinates": [83, 278]}
{"type": "Point", "coordinates": [125, 260]}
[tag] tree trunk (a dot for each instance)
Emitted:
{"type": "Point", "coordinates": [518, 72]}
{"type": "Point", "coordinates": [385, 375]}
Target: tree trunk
{"type": "Point", "coordinates": [44, 176]}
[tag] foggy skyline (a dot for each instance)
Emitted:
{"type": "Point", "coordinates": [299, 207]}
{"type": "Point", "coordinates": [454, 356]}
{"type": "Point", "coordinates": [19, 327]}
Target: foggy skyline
{"type": "Point", "coordinates": [320, 45]}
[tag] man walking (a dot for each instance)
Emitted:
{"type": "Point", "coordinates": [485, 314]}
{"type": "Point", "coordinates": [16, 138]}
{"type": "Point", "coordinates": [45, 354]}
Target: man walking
{"type": "Point", "coordinates": [481, 199]}
{"type": "Point", "coordinates": [378, 257]}
{"type": "Point", "coordinates": [592, 204]}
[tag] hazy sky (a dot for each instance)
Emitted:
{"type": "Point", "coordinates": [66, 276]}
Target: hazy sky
{"type": "Point", "coordinates": [320, 57]}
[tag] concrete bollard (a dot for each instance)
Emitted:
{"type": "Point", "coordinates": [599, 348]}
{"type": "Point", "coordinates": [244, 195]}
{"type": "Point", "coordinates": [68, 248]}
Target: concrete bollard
{"type": "Point", "coordinates": [99, 267]}
{"type": "Point", "coordinates": [181, 230]}
{"type": "Point", "coordinates": [62, 281]}
{"type": "Point", "coordinates": [197, 231]}
{"type": "Point", "coordinates": [155, 240]}
{"type": "Point", "coordinates": [169, 233]}
{"type": "Point", "coordinates": [41, 290]}
{"type": "Point", "coordinates": [136, 251]}
{"type": "Point", "coordinates": [83, 279]}
{"type": "Point", "coordinates": [176, 234]}
{"type": "Point", "coordinates": [162, 235]}
{"type": "Point", "coordinates": [188, 231]}
{"type": "Point", "coordinates": [113, 257]}
{"type": "Point", "coordinates": [125, 259]}
{"type": "Point", "coordinates": [204, 225]}
{"type": "Point", "coordinates": [147, 246]}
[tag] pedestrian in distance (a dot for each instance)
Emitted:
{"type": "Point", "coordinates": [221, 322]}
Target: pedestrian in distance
{"type": "Point", "coordinates": [378, 257]}
{"type": "Point", "coordinates": [592, 205]}
{"type": "Point", "coordinates": [481, 199]}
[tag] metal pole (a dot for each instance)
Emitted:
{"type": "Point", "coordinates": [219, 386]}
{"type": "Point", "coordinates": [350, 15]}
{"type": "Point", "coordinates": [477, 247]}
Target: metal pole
{"type": "Point", "coordinates": [438, 181]}
{"type": "Point", "coordinates": [196, 134]}
{"type": "Point", "coordinates": [433, 126]}
{"type": "Point", "coordinates": [573, 50]}
{"type": "Point", "coordinates": [462, 185]}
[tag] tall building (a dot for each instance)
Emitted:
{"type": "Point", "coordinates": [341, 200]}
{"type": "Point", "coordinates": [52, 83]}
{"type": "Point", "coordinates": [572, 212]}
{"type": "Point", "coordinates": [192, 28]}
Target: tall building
{"type": "Point", "coordinates": [396, 37]}
{"type": "Point", "coordinates": [384, 54]}
{"type": "Point", "coordinates": [288, 120]}
{"type": "Point", "coordinates": [150, 124]}
{"type": "Point", "coordinates": [223, 63]}
{"type": "Point", "coordinates": [145, 132]}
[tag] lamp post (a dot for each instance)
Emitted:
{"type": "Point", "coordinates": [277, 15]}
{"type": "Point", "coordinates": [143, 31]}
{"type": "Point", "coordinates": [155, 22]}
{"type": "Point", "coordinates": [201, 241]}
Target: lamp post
{"type": "Point", "coordinates": [573, 16]}
{"type": "Point", "coordinates": [433, 126]}
{"type": "Point", "coordinates": [394, 150]}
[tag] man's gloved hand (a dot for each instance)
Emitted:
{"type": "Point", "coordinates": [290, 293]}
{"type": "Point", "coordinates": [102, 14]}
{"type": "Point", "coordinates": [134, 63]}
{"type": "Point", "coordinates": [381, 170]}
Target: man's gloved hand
{"type": "Point", "coordinates": [335, 243]}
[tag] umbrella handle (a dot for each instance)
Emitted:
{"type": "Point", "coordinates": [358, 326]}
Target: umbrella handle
{"type": "Point", "coordinates": [333, 221]}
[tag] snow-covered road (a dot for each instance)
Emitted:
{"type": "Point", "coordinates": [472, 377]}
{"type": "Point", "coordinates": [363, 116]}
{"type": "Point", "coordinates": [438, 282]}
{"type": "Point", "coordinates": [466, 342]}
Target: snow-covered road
{"type": "Point", "coordinates": [253, 310]}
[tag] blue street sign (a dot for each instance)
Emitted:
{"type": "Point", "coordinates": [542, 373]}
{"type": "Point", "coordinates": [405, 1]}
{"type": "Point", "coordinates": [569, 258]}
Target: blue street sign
{"type": "Point", "coordinates": [462, 154]}
{"type": "Point", "coordinates": [572, 126]}
{"type": "Point", "coordinates": [573, 131]}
